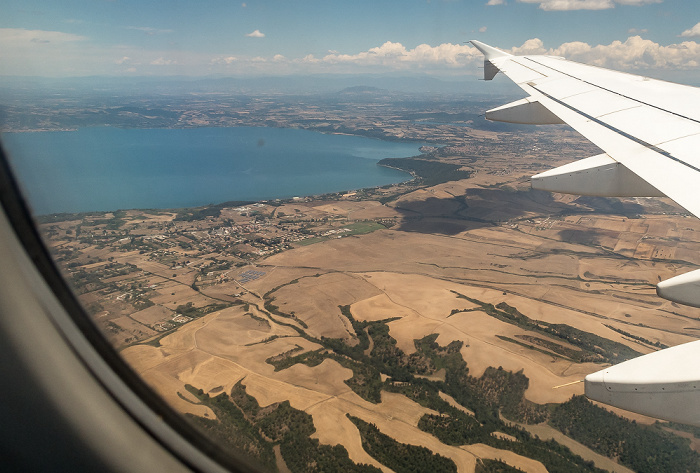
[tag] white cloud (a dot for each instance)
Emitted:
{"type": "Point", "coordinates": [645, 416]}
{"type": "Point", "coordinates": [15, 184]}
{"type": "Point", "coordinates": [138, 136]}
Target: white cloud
{"type": "Point", "coordinates": [692, 32]}
{"type": "Point", "coordinates": [495, 2]}
{"type": "Point", "coordinates": [17, 37]}
{"type": "Point", "coordinates": [224, 60]}
{"type": "Point", "coordinates": [482, 29]}
{"type": "Point", "coordinates": [634, 53]}
{"type": "Point", "coordinates": [52, 53]}
{"type": "Point", "coordinates": [564, 5]}
{"type": "Point", "coordinates": [397, 56]}
{"type": "Point", "coordinates": [567, 5]}
{"type": "Point", "coordinates": [531, 46]}
{"type": "Point", "coordinates": [637, 3]}
{"type": "Point", "coordinates": [309, 58]}
{"type": "Point", "coordinates": [256, 34]}
{"type": "Point", "coordinates": [163, 62]}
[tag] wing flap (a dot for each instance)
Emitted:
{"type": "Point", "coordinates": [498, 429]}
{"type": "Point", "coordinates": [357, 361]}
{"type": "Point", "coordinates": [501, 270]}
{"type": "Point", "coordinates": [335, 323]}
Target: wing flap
{"type": "Point", "coordinates": [525, 111]}
{"type": "Point", "coordinates": [687, 147]}
{"type": "Point", "coordinates": [598, 175]}
{"type": "Point", "coordinates": [563, 87]}
{"type": "Point", "coordinates": [598, 103]}
{"type": "Point", "coordinates": [662, 384]}
{"type": "Point", "coordinates": [650, 125]}
{"type": "Point", "coordinates": [518, 72]}
{"type": "Point", "coordinates": [673, 178]}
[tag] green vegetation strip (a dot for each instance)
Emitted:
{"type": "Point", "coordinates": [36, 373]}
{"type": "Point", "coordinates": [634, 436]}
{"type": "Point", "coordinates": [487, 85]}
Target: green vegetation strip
{"type": "Point", "coordinates": [496, 391]}
{"type": "Point", "coordinates": [251, 432]}
{"type": "Point", "coordinates": [496, 394]}
{"type": "Point", "coordinates": [430, 172]}
{"type": "Point", "coordinates": [594, 348]}
{"type": "Point", "coordinates": [642, 448]}
{"type": "Point", "coordinates": [400, 457]}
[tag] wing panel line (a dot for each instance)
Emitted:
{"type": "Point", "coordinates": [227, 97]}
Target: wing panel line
{"type": "Point", "coordinates": [617, 130]}
{"type": "Point", "coordinates": [526, 66]}
{"type": "Point", "coordinates": [611, 91]}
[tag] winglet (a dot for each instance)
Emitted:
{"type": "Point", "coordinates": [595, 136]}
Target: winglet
{"type": "Point", "coordinates": [489, 52]}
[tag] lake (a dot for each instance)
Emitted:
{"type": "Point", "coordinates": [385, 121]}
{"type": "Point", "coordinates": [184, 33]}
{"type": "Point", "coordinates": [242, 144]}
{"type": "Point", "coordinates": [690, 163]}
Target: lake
{"type": "Point", "coordinates": [105, 168]}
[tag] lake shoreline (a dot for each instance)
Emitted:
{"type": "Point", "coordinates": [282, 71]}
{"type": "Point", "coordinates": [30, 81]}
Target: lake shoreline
{"type": "Point", "coordinates": [153, 168]}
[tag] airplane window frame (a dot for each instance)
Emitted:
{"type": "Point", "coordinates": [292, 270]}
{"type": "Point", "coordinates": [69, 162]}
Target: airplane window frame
{"type": "Point", "coordinates": [158, 420]}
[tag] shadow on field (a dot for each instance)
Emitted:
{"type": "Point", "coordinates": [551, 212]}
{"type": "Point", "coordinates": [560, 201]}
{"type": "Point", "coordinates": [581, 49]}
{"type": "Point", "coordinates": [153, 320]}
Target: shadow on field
{"type": "Point", "coordinates": [479, 208]}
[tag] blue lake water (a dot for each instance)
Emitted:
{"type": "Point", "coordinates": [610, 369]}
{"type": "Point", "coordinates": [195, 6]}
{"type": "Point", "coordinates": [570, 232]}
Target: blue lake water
{"type": "Point", "coordinates": [111, 168]}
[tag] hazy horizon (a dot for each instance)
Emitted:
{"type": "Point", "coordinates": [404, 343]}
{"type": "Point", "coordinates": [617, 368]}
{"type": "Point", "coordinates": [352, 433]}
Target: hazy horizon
{"type": "Point", "coordinates": [260, 39]}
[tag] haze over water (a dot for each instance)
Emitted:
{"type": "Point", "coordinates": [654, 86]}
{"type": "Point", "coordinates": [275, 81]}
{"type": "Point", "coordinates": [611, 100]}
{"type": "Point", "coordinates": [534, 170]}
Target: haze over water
{"type": "Point", "coordinates": [106, 168]}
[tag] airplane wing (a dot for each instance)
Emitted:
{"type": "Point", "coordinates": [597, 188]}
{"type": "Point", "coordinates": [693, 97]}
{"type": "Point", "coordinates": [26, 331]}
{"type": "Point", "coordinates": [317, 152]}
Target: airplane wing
{"type": "Point", "coordinates": [649, 131]}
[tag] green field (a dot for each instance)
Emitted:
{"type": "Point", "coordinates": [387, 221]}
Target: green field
{"type": "Point", "coordinates": [357, 228]}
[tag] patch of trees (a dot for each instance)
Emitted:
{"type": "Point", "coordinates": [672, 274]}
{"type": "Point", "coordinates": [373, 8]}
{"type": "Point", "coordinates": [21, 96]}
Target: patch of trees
{"type": "Point", "coordinates": [114, 223]}
{"type": "Point", "coordinates": [274, 309]}
{"type": "Point", "coordinates": [192, 215]}
{"type": "Point", "coordinates": [365, 382]}
{"type": "Point", "coordinates": [695, 431]}
{"type": "Point", "coordinates": [400, 457]}
{"type": "Point", "coordinates": [453, 427]}
{"type": "Point", "coordinates": [189, 310]}
{"type": "Point", "coordinates": [496, 391]}
{"type": "Point", "coordinates": [85, 281]}
{"type": "Point", "coordinates": [607, 350]}
{"type": "Point", "coordinates": [593, 348]}
{"type": "Point", "coordinates": [560, 350]}
{"type": "Point", "coordinates": [142, 245]}
{"type": "Point", "coordinates": [285, 360]}
{"type": "Point", "coordinates": [252, 431]}
{"type": "Point", "coordinates": [55, 218]}
{"type": "Point", "coordinates": [641, 448]}
{"type": "Point", "coordinates": [93, 307]}
{"type": "Point", "coordinates": [211, 210]}
{"type": "Point", "coordinates": [142, 302]}
{"type": "Point", "coordinates": [536, 341]}
{"type": "Point", "coordinates": [430, 172]}
{"type": "Point", "coordinates": [657, 343]}
{"type": "Point", "coordinates": [232, 431]}
{"type": "Point", "coordinates": [485, 465]}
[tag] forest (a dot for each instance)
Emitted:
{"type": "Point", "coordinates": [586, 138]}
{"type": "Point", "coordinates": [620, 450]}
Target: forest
{"type": "Point", "coordinates": [493, 397]}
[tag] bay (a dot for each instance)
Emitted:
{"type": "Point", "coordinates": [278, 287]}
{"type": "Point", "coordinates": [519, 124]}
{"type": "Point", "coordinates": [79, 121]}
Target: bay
{"type": "Point", "coordinates": [105, 168]}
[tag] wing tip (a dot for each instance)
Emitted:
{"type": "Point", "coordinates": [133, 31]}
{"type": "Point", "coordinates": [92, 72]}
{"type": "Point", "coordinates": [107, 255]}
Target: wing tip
{"type": "Point", "coordinates": [489, 52]}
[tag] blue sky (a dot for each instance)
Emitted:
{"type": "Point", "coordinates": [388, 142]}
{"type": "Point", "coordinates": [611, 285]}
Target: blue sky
{"type": "Point", "coordinates": [272, 37]}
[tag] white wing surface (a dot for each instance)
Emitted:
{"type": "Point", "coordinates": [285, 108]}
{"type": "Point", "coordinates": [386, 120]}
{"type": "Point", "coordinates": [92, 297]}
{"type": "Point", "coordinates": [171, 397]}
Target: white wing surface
{"type": "Point", "coordinates": [649, 131]}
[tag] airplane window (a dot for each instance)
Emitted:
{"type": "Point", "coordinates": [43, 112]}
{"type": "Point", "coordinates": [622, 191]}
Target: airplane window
{"type": "Point", "coordinates": [291, 231]}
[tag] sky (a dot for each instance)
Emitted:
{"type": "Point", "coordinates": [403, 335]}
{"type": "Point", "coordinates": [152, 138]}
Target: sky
{"type": "Point", "coordinates": [282, 37]}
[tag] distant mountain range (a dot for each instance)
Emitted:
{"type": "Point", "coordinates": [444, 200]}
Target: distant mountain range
{"type": "Point", "coordinates": [313, 84]}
